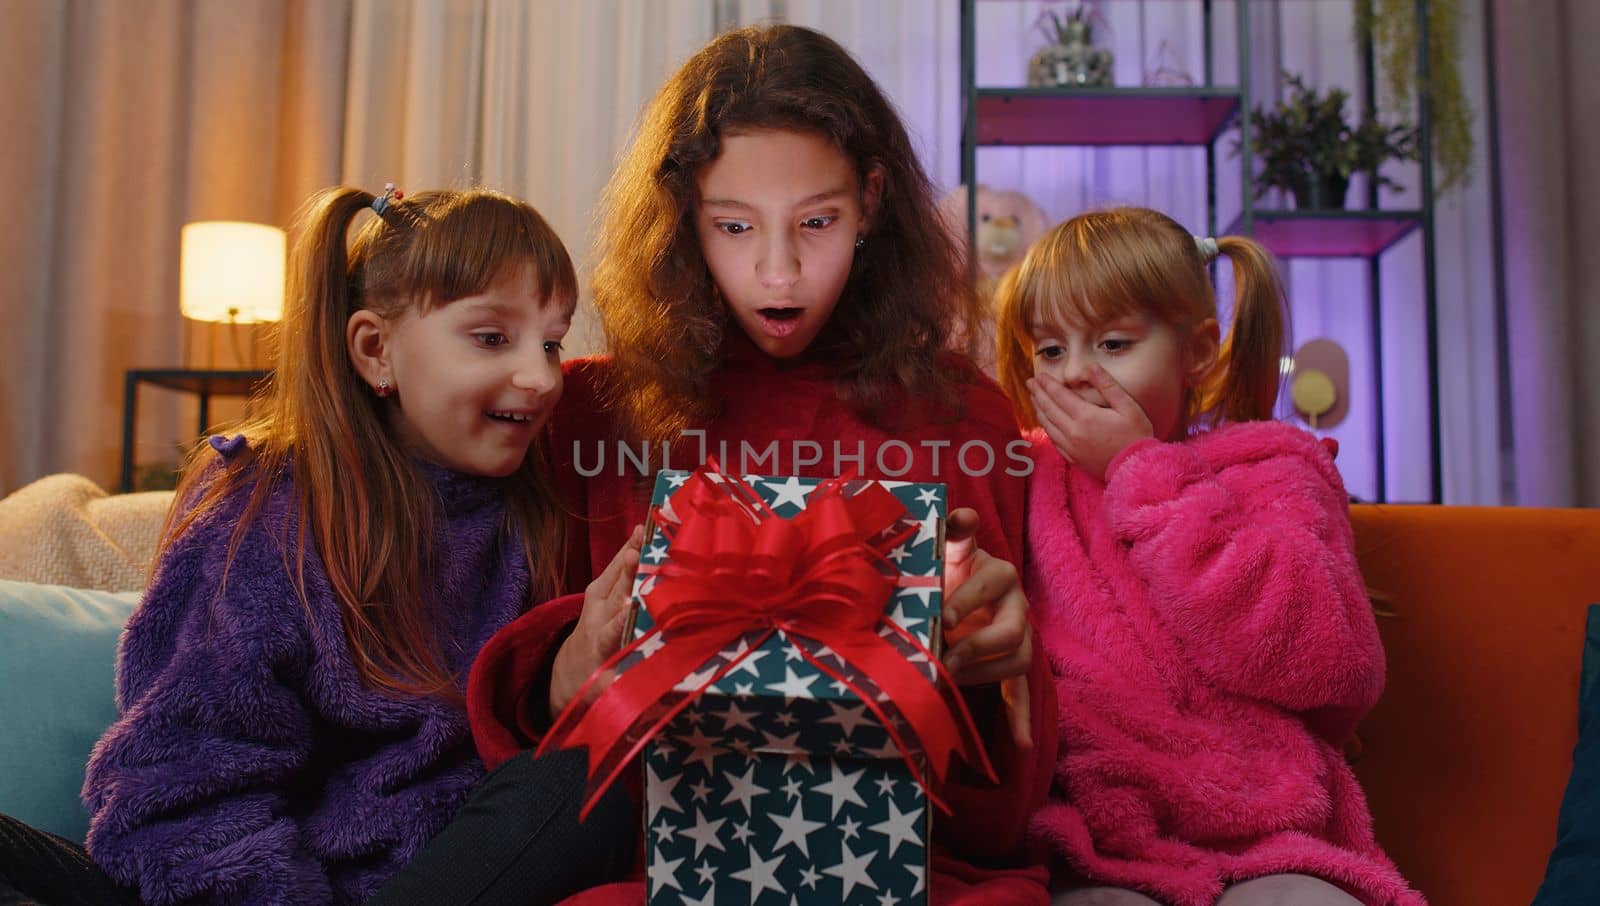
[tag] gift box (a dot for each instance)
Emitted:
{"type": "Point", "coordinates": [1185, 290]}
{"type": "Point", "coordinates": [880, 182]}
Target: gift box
{"type": "Point", "coordinates": [780, 783]}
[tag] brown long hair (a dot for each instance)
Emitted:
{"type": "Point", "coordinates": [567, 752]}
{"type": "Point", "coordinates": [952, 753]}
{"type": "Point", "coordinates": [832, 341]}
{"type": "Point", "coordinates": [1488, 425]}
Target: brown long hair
{"type": "Point", "coordinates": [1107, 264]}
{"type": "Point", "coordinates": [906, 291]}
{"type": "Point", "coordinates": [362, 498]}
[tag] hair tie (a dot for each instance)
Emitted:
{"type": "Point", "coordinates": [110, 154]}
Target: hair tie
{"type": "Point", "coordinates": [389, 196]}
{"type": "Point", "coordinates": [1207, 247]}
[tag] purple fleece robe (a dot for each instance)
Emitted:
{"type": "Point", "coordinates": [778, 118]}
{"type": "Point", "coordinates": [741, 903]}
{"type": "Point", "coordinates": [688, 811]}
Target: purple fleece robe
{"type": "Point", "coordinates": [250, 764]}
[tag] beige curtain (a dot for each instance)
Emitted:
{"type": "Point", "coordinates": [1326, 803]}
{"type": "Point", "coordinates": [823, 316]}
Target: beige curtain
{"type": "Point", "coordinates": [133, 118]}
{"type": "Point", "coordinates": [123, 122]}
{"type": "Point", "coordinates": [532, 97]}
{"type": "Point", "coordinates": [1548, 81]}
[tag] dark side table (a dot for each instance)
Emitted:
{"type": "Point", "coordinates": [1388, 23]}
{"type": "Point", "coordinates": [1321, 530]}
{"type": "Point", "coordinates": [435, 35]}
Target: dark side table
{"type": "Point", "coordinates": [201, 382]}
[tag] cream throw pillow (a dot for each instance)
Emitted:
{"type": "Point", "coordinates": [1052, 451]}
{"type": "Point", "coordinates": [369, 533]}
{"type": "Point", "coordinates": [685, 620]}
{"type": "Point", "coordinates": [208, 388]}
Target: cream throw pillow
{"type": "Point", "coordinates": [66, 530]}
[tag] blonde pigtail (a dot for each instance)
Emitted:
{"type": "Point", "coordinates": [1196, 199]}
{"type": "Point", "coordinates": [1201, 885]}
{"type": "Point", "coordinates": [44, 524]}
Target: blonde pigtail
{"type": "Point", "coordinates": [1244, 384]}
{"type": "Point", "coordinates": [1013, 355]}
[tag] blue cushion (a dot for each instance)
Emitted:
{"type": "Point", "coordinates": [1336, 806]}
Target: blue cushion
{"type": "Point", "coordinates": [58, 652]}
{"type": "Point", "coordinates": [1573, 874]}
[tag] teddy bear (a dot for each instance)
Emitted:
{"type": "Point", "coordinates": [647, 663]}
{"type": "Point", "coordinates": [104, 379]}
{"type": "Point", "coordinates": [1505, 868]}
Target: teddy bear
{"type": "Point", "coordinates": [1008, 222]}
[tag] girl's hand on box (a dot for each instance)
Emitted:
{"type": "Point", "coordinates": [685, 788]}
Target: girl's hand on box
{"type": "Point", "coordinates": [599, 632]}
{"type": "Point", "coordinates": [986, 631]}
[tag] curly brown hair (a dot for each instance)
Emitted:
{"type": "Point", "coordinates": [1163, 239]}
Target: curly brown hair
{"type": "Point", "coordinates": [907, 293]}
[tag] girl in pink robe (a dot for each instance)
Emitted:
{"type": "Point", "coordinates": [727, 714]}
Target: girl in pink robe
{"type": "Point", "coordinates": [1192, 574]}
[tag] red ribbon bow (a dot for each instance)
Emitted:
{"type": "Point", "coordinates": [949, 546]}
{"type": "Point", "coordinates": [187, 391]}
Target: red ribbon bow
{"type": "Point", "coordinates": [737, 574]}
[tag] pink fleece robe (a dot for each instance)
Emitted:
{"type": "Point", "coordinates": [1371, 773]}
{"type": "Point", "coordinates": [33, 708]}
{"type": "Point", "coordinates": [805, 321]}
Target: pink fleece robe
{"type": "Point", "coordinates": [1213, 647]}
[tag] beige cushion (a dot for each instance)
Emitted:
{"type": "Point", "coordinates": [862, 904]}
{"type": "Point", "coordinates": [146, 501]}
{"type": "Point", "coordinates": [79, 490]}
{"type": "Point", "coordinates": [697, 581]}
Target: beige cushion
{"type": "Point", "coordinates": [66, 530]}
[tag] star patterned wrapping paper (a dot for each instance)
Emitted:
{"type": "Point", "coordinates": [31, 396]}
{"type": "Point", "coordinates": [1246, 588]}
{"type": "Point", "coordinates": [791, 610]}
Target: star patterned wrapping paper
{"type": "Point", "coordinates": [779, 786]}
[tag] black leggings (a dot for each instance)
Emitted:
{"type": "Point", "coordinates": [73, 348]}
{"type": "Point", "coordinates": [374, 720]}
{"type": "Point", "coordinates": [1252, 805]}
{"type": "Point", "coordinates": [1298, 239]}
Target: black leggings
{"type": "Point", "coordinates": [41, 869]}
{"type": "Point", "coordinates": [517, 840]}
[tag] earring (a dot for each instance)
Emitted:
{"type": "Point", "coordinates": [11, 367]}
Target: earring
{"type": "Point", "coordinates": [860, 241]}
{"type": "Point", "coordinates": [383, 388]}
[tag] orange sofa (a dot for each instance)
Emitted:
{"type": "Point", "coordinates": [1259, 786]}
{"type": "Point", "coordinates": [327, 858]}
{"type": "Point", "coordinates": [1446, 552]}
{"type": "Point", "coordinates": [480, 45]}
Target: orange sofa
{"type": "Point", "coordinates": [1465, 758]}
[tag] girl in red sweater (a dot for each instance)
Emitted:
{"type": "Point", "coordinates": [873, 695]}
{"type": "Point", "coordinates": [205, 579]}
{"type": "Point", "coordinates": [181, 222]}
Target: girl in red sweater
{"type": "Point", "coordinates": [777, 291]}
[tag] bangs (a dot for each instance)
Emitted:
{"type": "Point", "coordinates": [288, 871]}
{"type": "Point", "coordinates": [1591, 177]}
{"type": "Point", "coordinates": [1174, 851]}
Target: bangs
{"type": "Point", "coordinates": [469, 241]}
{"type": "Point", "coordinates": [1092, 271]}
{"type": "Point", "coordinates": [1074, 289]}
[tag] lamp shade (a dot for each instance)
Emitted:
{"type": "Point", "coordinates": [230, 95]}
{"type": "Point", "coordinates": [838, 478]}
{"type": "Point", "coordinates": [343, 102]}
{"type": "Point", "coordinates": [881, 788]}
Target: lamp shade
{"type": "Point", "coordinates": [231, 271]}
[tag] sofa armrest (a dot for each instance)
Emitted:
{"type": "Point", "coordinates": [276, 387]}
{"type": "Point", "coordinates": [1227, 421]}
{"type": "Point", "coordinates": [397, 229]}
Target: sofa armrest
{"type": "Point", "coordinates": [1465, 757]}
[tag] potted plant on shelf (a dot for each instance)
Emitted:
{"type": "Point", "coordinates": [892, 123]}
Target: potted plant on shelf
{"type": "Point", "coordinates": [1070, 60]}
{"type": "Point", "coordinates": [1308, 148]}
{"type": "Point", "coordinates": [1392, 27]}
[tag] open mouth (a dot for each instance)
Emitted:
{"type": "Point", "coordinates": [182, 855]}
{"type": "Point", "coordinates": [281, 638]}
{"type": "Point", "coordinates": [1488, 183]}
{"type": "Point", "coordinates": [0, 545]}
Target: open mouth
{"type": "Point", "coordinates": [780, 320]}
{"type": "Point", "coordinates": [510, 416]}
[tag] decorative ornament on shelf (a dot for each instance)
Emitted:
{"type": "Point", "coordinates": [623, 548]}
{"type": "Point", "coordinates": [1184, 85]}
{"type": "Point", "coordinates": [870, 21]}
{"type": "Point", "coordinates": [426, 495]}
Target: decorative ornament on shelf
{"type": "Point", "coordinates": [1008, 222]}
{"type": "Point", "coordinates": [1166, 69]}
{"type": "Point", "coordinates": [1313, 393]}
{"type": "Point", "coordinates": [1307, 147]}
{"type": "Point", "coordinates": [1319, 383]}
{"type": "Point", "coordinates": [1071, 59]}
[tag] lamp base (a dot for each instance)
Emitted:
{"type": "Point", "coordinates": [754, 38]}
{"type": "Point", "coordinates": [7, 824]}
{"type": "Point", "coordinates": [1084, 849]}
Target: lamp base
{"type": "Point", "coordinates": [224, 345]}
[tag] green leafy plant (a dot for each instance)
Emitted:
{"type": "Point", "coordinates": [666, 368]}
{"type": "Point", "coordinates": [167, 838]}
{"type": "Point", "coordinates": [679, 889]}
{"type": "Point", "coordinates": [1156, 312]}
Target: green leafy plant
{"type": "Point", "coordinates": [1392, 25]}
{"type": "Point", "coordinates": [1305, 143]}
{"type": "Point", "coordinates": [1076, 24]}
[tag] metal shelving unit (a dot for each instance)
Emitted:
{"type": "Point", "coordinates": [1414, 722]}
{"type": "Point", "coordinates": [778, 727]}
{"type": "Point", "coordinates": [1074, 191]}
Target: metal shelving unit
{"type": "Point", "coordinates": [1198, 116]}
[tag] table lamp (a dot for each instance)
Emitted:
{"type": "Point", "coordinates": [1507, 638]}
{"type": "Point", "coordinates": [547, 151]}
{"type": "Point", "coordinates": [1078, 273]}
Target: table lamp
{"type": "Point", "coordinates": [232, 273]}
